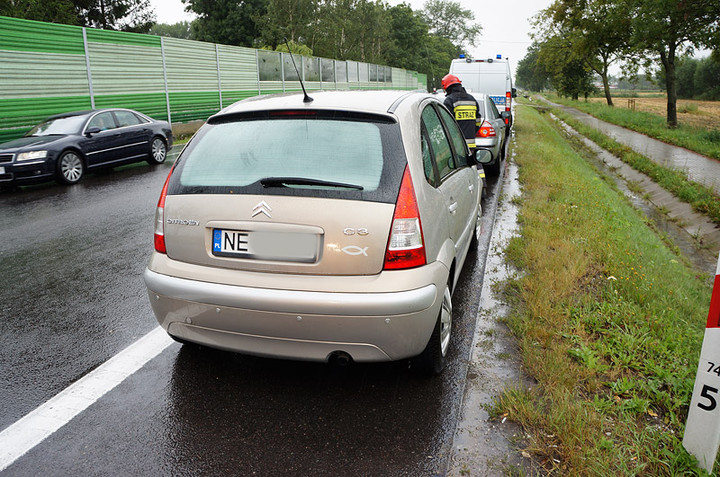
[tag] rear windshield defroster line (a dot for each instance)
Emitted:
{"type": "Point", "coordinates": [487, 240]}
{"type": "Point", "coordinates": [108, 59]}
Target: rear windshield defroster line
{"type": "Point", "coordinates": [323, 151]}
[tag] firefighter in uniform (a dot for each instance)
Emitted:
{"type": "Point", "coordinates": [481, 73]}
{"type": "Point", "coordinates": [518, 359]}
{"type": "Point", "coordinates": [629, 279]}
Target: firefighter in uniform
{"type": "Point", "coordinates": [465, 108]}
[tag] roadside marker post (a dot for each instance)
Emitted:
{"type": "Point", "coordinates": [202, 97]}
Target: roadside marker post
{"type": "Point", "coordinates": [702, 430]}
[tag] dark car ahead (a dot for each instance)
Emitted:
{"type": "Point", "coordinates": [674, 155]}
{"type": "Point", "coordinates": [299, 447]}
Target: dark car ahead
{"type": "Point", "coordinates": [67, 145]}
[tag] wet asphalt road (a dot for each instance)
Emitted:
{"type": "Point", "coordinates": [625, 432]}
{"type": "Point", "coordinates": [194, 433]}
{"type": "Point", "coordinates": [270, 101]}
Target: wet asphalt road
{"type": "Point", "coordinates": [73, 296]}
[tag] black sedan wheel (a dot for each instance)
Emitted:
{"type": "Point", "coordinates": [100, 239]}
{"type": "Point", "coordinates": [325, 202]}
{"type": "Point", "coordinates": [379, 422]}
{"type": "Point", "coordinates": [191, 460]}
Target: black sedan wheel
{"type": "Point", "coordinates": [158, 151]}
{"type": "Point", "coordinates": [70, 168]}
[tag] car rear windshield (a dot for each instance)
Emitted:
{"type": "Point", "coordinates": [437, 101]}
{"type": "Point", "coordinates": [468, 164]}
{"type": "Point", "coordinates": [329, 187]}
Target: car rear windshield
{"type": "Point", "coordinates": [317, 154]}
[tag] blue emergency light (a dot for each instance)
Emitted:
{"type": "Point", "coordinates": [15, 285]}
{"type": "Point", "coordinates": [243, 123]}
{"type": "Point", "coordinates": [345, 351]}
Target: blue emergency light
{"type": "Point", "coordinates": [462, 55]}
{"type": "Point", "coordinates": [499, 57]}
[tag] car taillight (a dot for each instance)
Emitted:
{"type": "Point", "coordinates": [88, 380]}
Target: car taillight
{"type": "Point", "coordinates": [160, 218]}
{"type": "Point", "coordinates": [486, 130]}
{"type": "Point", "coordinates": [508, 103]}
{"type": "Point", "coordinates": [405, 248]}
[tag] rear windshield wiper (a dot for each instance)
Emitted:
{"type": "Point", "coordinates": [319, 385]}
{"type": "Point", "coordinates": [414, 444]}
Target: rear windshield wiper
{"type": "Point", "coordinates": [303, 181]}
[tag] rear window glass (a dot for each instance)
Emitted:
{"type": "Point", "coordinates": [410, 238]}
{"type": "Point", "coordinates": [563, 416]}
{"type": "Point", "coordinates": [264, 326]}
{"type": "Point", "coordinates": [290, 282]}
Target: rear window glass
{"type": "Point", "coordinates": [309, 156]}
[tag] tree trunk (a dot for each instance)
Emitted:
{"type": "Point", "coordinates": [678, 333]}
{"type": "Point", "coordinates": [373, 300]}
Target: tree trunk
{"type": "Point", "coordinates": [606, 87]}
{"type": "Point", "coordinates": [668, 61]}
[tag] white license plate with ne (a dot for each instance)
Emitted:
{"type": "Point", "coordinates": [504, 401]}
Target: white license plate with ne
{"type": "Point", "coordinates": [286, 247]}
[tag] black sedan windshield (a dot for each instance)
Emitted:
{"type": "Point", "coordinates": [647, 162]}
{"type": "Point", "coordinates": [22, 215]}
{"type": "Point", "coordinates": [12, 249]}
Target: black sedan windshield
{"type": "Point", "coordinates": [62, 126]}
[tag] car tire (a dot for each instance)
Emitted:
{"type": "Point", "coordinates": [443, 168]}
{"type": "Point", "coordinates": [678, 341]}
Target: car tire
{"type": "Point", "coordinates": [475, 240]}
{"type": "Point", "coordinates": [433, 358]}
{"type": "Point", "coordinates": [70, 168]}
{"type": "Point", "coordinates": [158, 151]}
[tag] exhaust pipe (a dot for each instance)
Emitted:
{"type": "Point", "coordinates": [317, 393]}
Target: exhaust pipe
{"type": "Point", "coordinates": [340, 359]}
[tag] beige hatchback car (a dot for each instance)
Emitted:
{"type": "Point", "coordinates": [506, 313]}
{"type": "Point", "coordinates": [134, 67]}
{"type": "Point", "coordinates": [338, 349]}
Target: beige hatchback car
{"type": "Point", "coordinates": [330, 230]}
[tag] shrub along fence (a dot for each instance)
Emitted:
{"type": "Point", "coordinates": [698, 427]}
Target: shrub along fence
{"type": "Point", "coordinates": [47, 68]}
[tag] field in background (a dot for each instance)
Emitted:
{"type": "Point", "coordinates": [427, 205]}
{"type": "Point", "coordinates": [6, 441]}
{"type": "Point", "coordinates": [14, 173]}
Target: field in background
{"type": "Point", "coordinates": [701, 114]}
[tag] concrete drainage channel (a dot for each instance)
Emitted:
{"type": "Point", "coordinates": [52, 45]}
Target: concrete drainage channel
{"type": "Point", "coordinates": [693, 233]}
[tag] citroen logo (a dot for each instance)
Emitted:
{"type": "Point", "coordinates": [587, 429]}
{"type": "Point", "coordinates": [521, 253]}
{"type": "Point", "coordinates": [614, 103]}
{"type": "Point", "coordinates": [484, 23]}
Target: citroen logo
{"type": "Point", "coordinates": [262, 208]}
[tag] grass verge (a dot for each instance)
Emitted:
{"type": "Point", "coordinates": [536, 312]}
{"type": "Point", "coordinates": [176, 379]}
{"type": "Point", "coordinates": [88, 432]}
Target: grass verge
{"type": "Point", "coordinates": [703, 199]}
{"type": "Point", "coordinates": [609, 321]}
{"type": "Point", "coordinates": [702, 141]}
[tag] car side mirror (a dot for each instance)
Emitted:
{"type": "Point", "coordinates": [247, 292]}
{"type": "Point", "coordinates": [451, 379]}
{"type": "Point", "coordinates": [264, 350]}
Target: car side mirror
{"type": "Point", "coordinates": [514, 93]}
{"type": "Point", "coordinates": [90, 131]}
{"type": "Point", "coordinates": [506, 116]}
{"type": "Point", "coordinates": [482, 156]}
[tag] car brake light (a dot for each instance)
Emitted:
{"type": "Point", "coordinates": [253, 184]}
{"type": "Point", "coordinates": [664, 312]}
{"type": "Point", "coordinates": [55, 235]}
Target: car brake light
{"type": "Point", "coordinates": [486, 130]}
{"type": "Point", "coordinates": [160, 218]}
{"type": "Point", "coordinates": [405, 248]}
{"type": "Point", "coordinates": [508, 102]}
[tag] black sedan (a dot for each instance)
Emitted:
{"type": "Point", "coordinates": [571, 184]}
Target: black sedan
{"type": "Point", "coordinates": [67, 145]}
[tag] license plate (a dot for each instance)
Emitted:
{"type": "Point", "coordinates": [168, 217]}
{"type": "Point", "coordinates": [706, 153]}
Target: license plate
{"type": "Point", "coordinates": [286, 247]}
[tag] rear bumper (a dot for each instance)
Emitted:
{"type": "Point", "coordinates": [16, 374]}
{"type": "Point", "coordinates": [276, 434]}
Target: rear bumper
{"type": "Point", "coordinates": [301, 324]}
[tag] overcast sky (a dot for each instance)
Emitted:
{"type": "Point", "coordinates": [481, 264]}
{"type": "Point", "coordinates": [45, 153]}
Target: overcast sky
{"type": "Point", "coordinates": [505, 23]}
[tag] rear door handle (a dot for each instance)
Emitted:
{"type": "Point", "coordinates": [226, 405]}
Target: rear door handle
{"type": "Point", "coordinates": [453, 207]}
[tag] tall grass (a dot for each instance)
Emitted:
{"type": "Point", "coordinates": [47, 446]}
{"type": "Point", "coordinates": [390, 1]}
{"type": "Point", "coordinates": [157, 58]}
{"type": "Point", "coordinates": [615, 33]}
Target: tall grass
{"type": "Point", "coordinates": [704, 141]}
{"type": "Point", "coordinates": [609, 321]}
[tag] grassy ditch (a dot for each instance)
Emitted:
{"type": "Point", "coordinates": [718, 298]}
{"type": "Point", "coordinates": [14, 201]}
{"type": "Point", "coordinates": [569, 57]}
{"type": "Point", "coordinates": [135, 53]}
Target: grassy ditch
{"type": "Point", "coordinates": [704, 141]}
{"type": "Point", "coordinates": [609, 320]}
{"type": "Point", "coordinates": [703, 199]}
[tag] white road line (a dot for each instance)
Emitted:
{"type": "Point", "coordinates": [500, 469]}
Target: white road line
{"type": "Point", "coordinates": [37, 426]}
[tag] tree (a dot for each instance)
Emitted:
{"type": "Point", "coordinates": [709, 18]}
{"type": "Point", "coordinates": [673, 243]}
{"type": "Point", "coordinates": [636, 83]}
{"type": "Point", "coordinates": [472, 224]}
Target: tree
{"type": "Point", "coordinates": [293, 20]}
{"type": "Point", "coordinates": [176, 30]}
{"type": "Point", "coordinates": [447, 18]}
{"type": "Point", "coordinates": [668, 28]}
{"type": "Point", "coordinates": [351, 30]}
{"type": "Point", "coordinates": [409, 38]}
{"type": "Point", "coordinates": [569, 75]}
{"type": "Point", "coordinates": [707, 79]}
{"type": "Point", "coordinates": [52, 11]}
{"type": "Point", "coordinates": [685, 77]}
{"type": "Point", "coordinates": [125, 15]}
{"type": "Point", "coordinates": [597, 31]}
{"type": "Point", "coordinates": [531, 73]}
{"type": "Point", "coordinates": [230, 22]}
{"type": "Point", "coordinates": [440, 52]}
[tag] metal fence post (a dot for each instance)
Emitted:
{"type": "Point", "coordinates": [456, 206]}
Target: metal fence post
{"type": "Point", "coordinates": [282, 69]}
{"type": "Point", "coordinates": [217, 62]}
{"type": "Point", "coordinates": [165, 81]}
{"type": "Point", "coordinates": [87, 67]}
{"type": "Point", "coordinates": [257, 68]}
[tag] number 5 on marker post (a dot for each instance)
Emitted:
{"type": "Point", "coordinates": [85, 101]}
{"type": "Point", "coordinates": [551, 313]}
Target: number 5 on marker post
{"type": "Point", "coordinates": [702, 431]}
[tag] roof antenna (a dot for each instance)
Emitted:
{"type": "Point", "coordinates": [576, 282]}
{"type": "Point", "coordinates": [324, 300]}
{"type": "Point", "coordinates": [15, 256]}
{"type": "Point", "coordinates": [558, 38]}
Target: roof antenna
{"type": "Point", "coordinates": [306, 99]}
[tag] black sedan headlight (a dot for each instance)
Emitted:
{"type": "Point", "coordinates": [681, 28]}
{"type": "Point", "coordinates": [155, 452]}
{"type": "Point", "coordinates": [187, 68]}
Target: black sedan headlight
{"type": "Point", "coordinates": [31, 155]}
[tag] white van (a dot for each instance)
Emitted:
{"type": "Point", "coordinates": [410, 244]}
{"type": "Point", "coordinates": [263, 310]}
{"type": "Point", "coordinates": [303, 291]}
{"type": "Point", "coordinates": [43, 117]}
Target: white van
{"type": "Point", "coordinates": [490, 76]}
